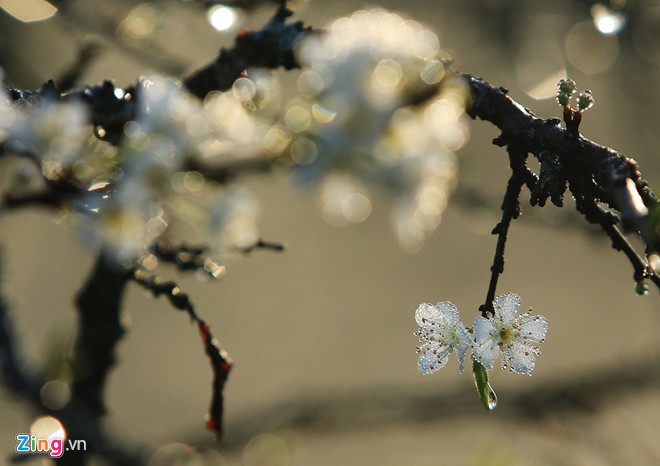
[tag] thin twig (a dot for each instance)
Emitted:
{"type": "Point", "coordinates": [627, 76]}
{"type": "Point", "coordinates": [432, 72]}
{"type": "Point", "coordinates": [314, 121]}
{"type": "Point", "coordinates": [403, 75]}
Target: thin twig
{"type": "Point", "coordinates": [86, 55]}
{"type": "Point", "coordinates": [221, 363]}
{"type": "Point", "coordinates": [510, 211]}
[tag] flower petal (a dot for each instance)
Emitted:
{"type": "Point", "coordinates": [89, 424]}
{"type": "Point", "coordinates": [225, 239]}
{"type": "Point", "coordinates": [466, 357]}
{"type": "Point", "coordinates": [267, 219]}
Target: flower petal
{"type": "Point", "coordinates": [519, 358]}
{"type": "Point", "coordinates": [506, 306]}
{"type": "Point", "coordinates": [447, 312]}
{"type": "Point", "coordinates": [485, 349]}
{"type": "Point", "coordinates": [483, 328]}
{"type": "Point", "coordinates": [465, 342]}
{"type": "Point", "coordinates": [425, 314]}
{"type": "Point", "coordinates": [433, 357]}
{"type": "Point", "coordinates": [533, 328]}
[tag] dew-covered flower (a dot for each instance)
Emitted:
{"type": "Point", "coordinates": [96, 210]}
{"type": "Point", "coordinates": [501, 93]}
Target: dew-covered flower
{"type": "Point", "coordinates": [516, 336]}
{"type": "Point", "coordinates": [440, 333]}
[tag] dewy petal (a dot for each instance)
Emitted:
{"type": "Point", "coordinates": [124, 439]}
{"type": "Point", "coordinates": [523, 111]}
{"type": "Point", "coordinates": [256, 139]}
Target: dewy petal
{"type": "Point", "coordinates": [485, 349]}
{"type": "Point", "coordinates": [533, 328]}
{"type": "Point", "coordinates": [483, 328]}
{"type": "Point", "coordinates": [519, 358]}
{"type": "Point", "coordinates": [426, 313]}
{"type": "Point", "coordinates": [464, 343]}
{"type": "Point", "coordinates": [485, 353]}
{"type": "Point", "coordinates": [448, 312]}
{"type": "Point", "coordinates": [444, 312]}
{"type": "Point", "coordinates": [433, 356]}
{"type": "Point", "coordinates": [506, 306]}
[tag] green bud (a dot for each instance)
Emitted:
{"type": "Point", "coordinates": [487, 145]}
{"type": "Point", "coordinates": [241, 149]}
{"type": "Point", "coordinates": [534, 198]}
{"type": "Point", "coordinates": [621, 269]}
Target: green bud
{"type": "Point", "coordinates": [585, 101]}
{"type": "Point", "coordinates": [484, 390]}
{"type": "Point", "coordinates": [642, 288]}
{"type": "Point", "coordinates": [563, 99]}
{"type": "Point", "coordinates": [567, 86]}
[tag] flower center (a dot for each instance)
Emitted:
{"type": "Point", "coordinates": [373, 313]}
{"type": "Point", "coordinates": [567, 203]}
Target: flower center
{"type": "Point", "coordinates": [507, 334]}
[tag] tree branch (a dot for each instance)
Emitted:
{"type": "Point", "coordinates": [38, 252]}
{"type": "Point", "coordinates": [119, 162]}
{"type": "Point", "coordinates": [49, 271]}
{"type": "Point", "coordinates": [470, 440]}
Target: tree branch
{"type": "Point", "coordinates": [100, 329]}
{"type": "Point", "coordinates": [78, 421]}
{"type": "Point", "coordinates": [510, 211]}
{"type": "Point", "coordinates": [221, 363]}
{"type": "Point", "coordinates": [270, 47]}
{"type": "Point", "coordinates": [595, 173]}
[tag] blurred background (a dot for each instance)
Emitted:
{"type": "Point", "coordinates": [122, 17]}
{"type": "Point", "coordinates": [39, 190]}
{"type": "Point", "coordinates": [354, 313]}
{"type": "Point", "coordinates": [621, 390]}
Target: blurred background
{"type": "Point", "coordinates": [325, 365]}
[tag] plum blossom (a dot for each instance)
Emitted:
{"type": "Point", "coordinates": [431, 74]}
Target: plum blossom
{"type": "Point", "coordinates": [354, 117]}
{"type": "Point", "coordinates": [156, 195]}
{"type": "Point", "coordinates": [516, 336]}
{"type": "Point", "coordinates": [440, 333]}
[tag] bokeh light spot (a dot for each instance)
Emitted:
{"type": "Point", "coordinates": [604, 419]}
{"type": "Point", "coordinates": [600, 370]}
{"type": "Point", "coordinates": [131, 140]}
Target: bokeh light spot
{"type": "Point", "coordinates": [539, 66]}
{"type": "Point", "coordinates": [266, 450]}
{"type": "Point", "coordinates": [590, 51]}
{"type": "Point", "coordinates": [244, 89]}
{"type": "Point", "coordinates": [222, 18]}
{"type": "Point", "coordinates": [48, 427]}
{"type": "Point", "coordinates": [55, 394]}
{"type": "Point", "coordinates": [608, 22]}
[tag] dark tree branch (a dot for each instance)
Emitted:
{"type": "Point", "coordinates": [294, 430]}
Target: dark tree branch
{"type": "Point", "coordinates": [187, 258]}
{"type": "Point", "coordinates": [79, 422]}
{"type": "Point", "coordinates": [594, 173]}
{"type": "Point", "coordinates": [510, 211]}
{"type": "Point", "coordinates": [221, 363]}
{"type": "Point", "coordinates": [263, 244]}
{"type": "Point", "coordinates": [270, 47]}
{"type": "Point", "coordinates": [100, 329]}
{"type": "Point", "coordinates": [86, 55]}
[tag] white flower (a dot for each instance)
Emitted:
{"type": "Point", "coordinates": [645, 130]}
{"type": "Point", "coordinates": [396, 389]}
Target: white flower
{"type": "Point", "coordinates": [516, 336]}
{"type": "Point", "coordinates": [440, 333]}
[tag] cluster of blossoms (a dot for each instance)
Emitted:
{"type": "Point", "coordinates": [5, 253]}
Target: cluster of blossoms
{"type": "Point", "coordinates": [141, 190]}
{"type": "Point", "coordinates": [358, 122]}
{"type": "Point", "coordinates": [156, 195]}
{"type": "Point", "coordinates": [515, 336]}
{"type": "Point", "coordinates": [377, 109]}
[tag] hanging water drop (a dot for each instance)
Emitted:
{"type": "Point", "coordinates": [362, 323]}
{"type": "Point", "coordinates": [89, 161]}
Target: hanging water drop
{"type": "Point", "coordinates": [484, 390]}
{"type": "Point", "coordinates": [492, 399]}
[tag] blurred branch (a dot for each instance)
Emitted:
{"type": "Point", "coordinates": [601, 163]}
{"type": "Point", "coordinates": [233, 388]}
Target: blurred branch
{"type": "Point", "coordinates": [263, 244]}
{"type": "Point", "coordinates": [100, 329]}
{"type": "Point", "coordinates": [86, 55]}
{"type": "Point", "coordinates": [221, 363]}
{"type": "Point", "coordinates": [269, 47]}
{"type": "Point", "coordinates": [73, 18]}
{"type": "Point", "coordinates": [18, 376]}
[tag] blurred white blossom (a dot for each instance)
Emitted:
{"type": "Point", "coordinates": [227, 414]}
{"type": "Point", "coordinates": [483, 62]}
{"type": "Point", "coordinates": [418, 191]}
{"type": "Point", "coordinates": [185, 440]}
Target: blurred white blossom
{"type": "Point", "coordinates": [355, 115]}
{"type": "Point", "coordinates": [516, 336]}
{"type": "Point", "coordinates": [156, 195]}
{"type": "Point", "coordinates": [54, 132]}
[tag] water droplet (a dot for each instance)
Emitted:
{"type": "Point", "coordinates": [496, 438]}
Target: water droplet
{"type": "Point", "coordinates": [492, 399]}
